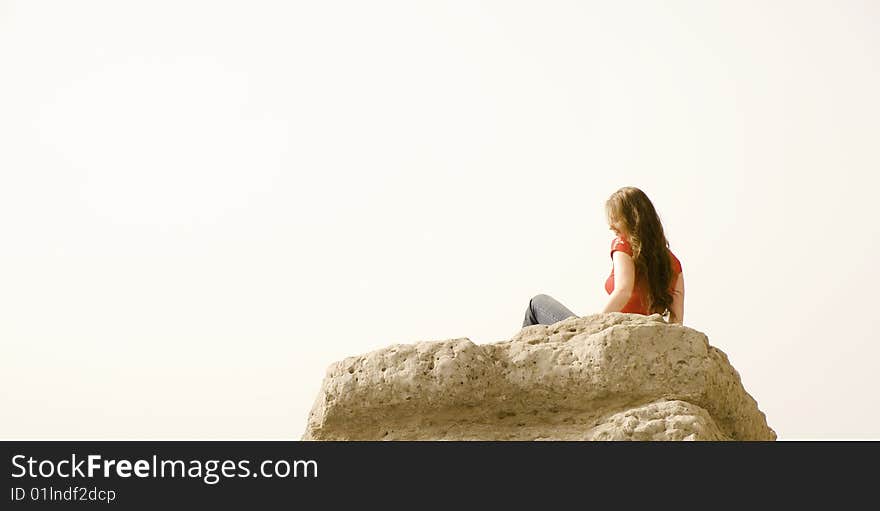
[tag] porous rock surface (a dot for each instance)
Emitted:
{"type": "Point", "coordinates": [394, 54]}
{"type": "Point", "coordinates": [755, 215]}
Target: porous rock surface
{"type": "Point", "coordinates": [612, 376]}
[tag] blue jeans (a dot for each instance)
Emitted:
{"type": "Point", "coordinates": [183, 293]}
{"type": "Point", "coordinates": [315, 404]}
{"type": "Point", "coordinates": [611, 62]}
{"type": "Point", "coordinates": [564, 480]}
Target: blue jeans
{"type": "Point", "coordinates": [545, 310]}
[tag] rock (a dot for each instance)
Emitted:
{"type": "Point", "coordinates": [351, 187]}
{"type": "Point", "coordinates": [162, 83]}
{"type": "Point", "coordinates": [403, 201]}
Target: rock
{"type": "Point", "coordinates": [613, 376]}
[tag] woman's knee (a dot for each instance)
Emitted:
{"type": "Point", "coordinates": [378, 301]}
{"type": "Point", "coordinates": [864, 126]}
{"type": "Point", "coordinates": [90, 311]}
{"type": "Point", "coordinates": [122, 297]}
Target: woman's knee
{"type": "Point", "coordinates": [541, 298]}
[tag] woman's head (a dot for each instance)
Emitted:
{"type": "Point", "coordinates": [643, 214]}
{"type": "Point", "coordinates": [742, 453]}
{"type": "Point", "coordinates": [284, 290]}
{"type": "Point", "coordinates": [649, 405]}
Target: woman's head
{"type": "Point", "coordinates": [631, 214]}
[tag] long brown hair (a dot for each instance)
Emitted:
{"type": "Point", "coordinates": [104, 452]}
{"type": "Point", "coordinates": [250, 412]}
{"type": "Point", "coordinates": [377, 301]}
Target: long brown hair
{"type": "Point", "coordinates": [630, 210]}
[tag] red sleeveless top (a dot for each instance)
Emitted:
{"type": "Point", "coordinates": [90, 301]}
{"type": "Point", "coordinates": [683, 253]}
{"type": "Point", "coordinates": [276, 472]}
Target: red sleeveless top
{"type": "Point", "coordinates": [635, 301]}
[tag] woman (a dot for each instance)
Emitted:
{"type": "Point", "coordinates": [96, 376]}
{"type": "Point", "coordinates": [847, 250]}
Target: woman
{"type": "Point", "coordinates": [645, 277]}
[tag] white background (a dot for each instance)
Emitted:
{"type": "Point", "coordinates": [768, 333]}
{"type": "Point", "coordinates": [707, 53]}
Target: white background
{"type": "Point", "coordinates": [204, 204]}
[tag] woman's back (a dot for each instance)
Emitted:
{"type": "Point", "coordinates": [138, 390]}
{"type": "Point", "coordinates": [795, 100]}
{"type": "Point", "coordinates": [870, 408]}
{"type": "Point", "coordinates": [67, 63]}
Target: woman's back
{"type": "Point", "coordinates": [636, 304]}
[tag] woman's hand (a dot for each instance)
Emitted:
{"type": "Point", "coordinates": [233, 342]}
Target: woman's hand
{"type": "Point", "coordinates": [616, 301]}
{"type": "Point", "coordinates": [676, 311]}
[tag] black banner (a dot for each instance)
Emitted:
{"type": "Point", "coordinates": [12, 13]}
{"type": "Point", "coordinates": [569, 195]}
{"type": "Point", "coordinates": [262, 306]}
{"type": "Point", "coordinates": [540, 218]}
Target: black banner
{"type": "Point", "coordinates": [152, 474]}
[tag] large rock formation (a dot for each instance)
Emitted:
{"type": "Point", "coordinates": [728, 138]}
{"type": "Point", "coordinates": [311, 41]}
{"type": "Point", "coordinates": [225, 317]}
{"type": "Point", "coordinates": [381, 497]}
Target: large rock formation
{"type": "Point", "coordinates": [611, 376]}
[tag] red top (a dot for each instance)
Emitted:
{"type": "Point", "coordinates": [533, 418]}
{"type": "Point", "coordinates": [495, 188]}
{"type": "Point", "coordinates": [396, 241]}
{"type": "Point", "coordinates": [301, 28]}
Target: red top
{"type": "Point", "coordinates": [634, 304]}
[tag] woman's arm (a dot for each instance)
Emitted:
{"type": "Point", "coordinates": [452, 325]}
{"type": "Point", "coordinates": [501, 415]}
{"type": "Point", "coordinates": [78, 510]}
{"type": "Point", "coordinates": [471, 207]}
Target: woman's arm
{"type": "Point", "coordinates": [676, 312]}
{"type": "Point", "coordinates": [624, 282]}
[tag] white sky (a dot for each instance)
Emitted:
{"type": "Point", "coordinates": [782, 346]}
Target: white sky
{"type": "Point", "coordinates": [204, 204]}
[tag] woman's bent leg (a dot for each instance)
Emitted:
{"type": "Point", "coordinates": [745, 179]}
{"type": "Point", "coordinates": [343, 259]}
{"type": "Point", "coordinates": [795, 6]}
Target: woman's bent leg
{"type": "Point", "coordinates": [545, 310]}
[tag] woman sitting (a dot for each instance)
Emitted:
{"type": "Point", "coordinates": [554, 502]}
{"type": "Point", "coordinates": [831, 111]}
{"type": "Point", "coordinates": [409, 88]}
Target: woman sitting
{"type": "Point", "coordinates": [645, 276]}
